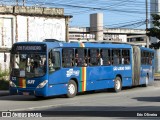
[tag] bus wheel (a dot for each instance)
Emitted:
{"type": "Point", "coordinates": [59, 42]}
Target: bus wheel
{"type": "Point", "coordinates": [117, 84]}
{"type": "Point", "coordinates": [72, 89]}
{"type": "Point", "coordinates": [146, 81]}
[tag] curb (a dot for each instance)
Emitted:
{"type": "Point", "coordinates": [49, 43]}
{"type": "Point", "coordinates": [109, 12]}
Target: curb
{"type": "Point", "coordinates": [156, 83]}
{"type": "Point", "coordinates": [4, 93]}
{"type": "Point", "coordinates": [157, 78]}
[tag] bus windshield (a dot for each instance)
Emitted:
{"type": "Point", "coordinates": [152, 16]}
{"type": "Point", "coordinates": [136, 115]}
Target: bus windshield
{"type": "Point", "coordinates": [28, 65]}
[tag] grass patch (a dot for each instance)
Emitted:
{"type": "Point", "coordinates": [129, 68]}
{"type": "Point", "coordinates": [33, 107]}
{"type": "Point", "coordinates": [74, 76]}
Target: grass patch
{"type": "Point", "coordinates": [4, 73]}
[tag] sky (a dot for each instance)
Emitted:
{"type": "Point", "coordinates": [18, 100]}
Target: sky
{"type": "Point", "coordinates": [116, 13]}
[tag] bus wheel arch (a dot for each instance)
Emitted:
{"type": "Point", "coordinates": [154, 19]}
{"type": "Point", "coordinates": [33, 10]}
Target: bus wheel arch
{"type": "Point", "coordinates": [146, 81]}
{"type": "Point", "coordinates": [72, 88]}
{"type": "Point", "coordinates": [76, 81]}
{"type": "Point", "coordinates": [118, 83]}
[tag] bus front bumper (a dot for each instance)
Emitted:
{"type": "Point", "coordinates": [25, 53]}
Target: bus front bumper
{"type": "Point", "coordinates": [27, 92]}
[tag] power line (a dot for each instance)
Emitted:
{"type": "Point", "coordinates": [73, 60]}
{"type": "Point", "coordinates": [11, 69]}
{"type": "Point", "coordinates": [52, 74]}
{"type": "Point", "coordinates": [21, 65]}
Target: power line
{"type": "Point", "coordinates": [123, 7]}
{"type": "Point", "coordinates": [131, 24]}
{"type": "Point", "coordinates": [89, 7]}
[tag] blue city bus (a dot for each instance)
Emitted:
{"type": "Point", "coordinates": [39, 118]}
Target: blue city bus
{"type": "Point", "coordinates": [59, 68]}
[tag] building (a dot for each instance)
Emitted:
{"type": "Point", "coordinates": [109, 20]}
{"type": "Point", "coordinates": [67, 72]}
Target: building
{"type": "Point", "coordinates": [20, 23]}
{"type": "Point", "coordinates": [109, 34]}
{"type": "Point", "coordinates": [97, 32]}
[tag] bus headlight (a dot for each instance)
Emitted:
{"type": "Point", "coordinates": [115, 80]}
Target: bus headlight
{"type": "Point", "coordinates": [42, 84]}
{"type": "Point", "coordinates": [12, 84]}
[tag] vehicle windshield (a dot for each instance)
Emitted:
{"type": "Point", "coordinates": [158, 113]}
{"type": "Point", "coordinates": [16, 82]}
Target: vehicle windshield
{"type": "Point", "coordinates": [28, 65]}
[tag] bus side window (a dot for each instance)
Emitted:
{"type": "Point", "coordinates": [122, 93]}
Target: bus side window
{"type": "Point", "coordinates": [106, 56]}
{"type": "Point", "coordinates": [116, 56]}
{"type": "Point", "coordinates": [50, 61]}
{"type": "Point", "coordinates": [81, 58]}
{"type": "Point", "coordinates": [67, 57]}
{"type": "Point", "coordinates": [125, 56]}
{"type": "Point", "coordinates": [142, 57]}
{"type": "Point", "coordinates": [150, 58]}
{"type": "Point", "coordinates": [56, 59]}
{"type": "Point", "coordinates": [94, 57]}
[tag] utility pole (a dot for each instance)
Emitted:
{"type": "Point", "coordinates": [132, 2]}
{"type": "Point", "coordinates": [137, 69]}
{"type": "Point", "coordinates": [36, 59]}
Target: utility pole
{"type": "Point", "coordinates": [147, 38]}
{"type": "Point", "coordinates": [24, 2]}
{"type": "Point", "coordinates": [67, 28]}
{"type": "Point", "coordinates": [17, 2]}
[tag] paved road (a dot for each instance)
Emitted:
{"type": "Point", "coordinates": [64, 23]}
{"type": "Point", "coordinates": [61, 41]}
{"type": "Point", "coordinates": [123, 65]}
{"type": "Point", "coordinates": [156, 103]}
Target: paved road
{"type": "Point", "coordinates": [130, 99]}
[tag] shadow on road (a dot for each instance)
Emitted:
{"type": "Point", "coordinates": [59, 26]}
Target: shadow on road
{"type": "Point", "coordinates": [33, 98]}
{"type": "Point", "coordinates": [27, 98]}
{"type": "Point", "coordinates": [104, 108]}
{"type": "Point", "coordinates": [103, 111]}
{"type": "Point", "coordinates": [148, 99]}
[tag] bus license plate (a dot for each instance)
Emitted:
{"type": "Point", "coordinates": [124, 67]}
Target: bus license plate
{"type": "Point", "coordinates": [25, 93]}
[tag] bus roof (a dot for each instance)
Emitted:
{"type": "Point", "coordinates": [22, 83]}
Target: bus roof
{"type": "Point", "coordinates": [77, 44]}
{"type": "Point", "coordinates": [97, 44]}
{"type": "Point", "coordinates": [147, 49]}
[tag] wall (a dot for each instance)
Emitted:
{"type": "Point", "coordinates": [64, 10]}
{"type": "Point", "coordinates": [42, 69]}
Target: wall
{"type": "Point", "coordinates": [40, 28]}
{"type": "Point", "coordinates": [28, 28]}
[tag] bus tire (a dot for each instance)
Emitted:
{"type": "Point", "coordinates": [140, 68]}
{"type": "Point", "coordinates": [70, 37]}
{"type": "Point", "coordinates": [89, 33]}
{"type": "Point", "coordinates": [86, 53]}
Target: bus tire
{"type": "Point", "coordinates": [117, 84]}
{"type": "Point", "coordinates": [146, 81]}
{"type": "Point", "coordinates": [71, 89]}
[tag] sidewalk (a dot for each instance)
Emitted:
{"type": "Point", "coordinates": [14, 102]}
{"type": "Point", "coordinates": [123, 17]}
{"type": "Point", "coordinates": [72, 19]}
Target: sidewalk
{"type": "Point", "coordinates": [156, 83]}
{"type": "Point", "coordinates": [4, 93]}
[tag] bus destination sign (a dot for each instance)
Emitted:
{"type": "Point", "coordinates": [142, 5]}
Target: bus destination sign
{"type": "Point", "coordinates": [29, 48]}
{"type": "Point", "coordinates": [26, 48]}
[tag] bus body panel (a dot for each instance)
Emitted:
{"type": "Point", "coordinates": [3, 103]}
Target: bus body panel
{"type": "Point", "coordinates": [146, 70]}
{"type": "Point", "coordinates": [87, 78]}
{"type": "Point", "coordinates": [100, 76]}
{"type": "Point", "coordinates": [28, 86]}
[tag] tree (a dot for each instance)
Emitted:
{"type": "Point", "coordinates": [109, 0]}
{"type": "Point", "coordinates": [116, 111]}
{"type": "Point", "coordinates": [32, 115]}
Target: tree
{"type": "Point", "coordinates": [155, 31]}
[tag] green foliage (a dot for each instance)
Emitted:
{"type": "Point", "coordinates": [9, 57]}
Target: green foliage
{"type": "Point", "coordinates": [156, 19]}
{"type": "Point", "coordinates": [155, 31]}
{"type": "Point", "coordinates": [4, 84]}
{"type": "Point", "coordinates": [3, 72]}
